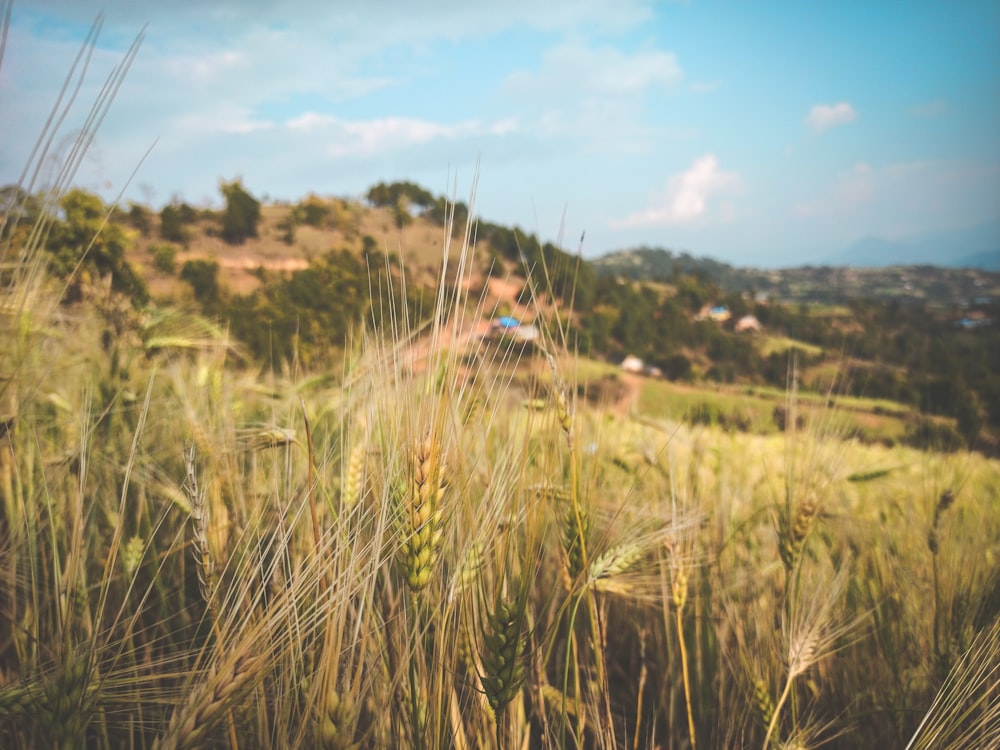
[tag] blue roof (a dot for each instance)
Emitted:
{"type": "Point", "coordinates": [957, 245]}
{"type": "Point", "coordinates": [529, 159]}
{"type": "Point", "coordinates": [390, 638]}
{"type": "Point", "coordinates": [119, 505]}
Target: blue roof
{"type": "Point", "coordinates": [508, 322]}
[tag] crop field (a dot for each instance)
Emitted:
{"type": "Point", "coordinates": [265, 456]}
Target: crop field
{"type": "Point", "coordinates": [197, 554]}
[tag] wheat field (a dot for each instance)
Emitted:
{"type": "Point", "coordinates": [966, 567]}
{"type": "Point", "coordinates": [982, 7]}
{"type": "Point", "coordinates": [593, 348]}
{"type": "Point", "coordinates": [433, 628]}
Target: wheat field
{"type": "Point", "coordinates": [421, 551]}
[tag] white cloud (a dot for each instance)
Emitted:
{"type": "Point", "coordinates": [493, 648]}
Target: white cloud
{"type": "Point", "coordinates": [686, 199]}
{"type": "Point", "coordinates": [367, 137]}
{"type": "Point", "coordinates": [824, 116]}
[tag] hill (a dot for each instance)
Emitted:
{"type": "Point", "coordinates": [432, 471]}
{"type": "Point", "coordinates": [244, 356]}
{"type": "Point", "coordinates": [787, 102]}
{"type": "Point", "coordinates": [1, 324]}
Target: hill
{"type": "Point", "coordinates": [296, 283]}
{"type": "Point", "coordinates": [813, 284]}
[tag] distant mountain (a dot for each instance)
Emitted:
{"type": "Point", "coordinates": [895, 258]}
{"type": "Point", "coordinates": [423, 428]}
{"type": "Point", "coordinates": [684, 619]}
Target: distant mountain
{"type": "Point", "coordinates": [882, 276]}
{"type": "Point", "coordinates": [974, 247]}
{"type": "Point", "coordinates": [988, 261]}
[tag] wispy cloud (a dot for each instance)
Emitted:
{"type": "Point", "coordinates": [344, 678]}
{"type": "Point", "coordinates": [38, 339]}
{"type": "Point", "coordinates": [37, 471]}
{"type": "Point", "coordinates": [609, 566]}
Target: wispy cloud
{"type": "Point", "coordinates": [825, 116]}
{"type": "Point", "coordinates": [367, 137]}
{"type": "Point", "coordinates": [686, 199]}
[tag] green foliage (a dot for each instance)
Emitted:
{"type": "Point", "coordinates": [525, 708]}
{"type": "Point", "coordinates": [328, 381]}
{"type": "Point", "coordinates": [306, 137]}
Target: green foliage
{"type": "Point", "coordinates": [174, 221]}
{"type": "Point", "coordinates": [676, 367]}
{"type": "Point", "coordinates": [164, 257]}
{"type": "Point", "coordinates": [140, 218]}
{"type": "Point", "coordinates": [401, 213]}
{"type": "Point", "coordinates": [389, 195]}
{"type": "Point", "coordinates": [287, 228]}
{"type": "Point", "coordinates": [929, 434]}
{"type": "Point", "coordinates": [84, 242]}
{"type": "Point", "coordinates": [306, 317]}
{"type": "Point", "coordinates": [241, 215]}
{"type": "Point", "coordinates": [203, 276]}
{"type": "Point", "coordinates": [970, 416]}
{"type": "Point", "coordinates": [570, 281]}
{"type": "Point", "coordinates": [313, 211]}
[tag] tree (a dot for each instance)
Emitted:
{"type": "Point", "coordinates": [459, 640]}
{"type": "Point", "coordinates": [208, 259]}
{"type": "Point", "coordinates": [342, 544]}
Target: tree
{"type": "Point", "coordinates": [242, 214]}
{"type": "Point", "coordinates": [312, 211]}
{"type": "Point", "coordinates": [677, 367]}
{"type": "Point", "coordinates": [389, 195]}
{"type": "Point", "coordinates": [83, 239]}
{"type": "Point", "coordinates": [140, 217]}
{"type": "Point", "coordinates": [172, 221]}
{"type": "Point", "coordinates": [203, 276]}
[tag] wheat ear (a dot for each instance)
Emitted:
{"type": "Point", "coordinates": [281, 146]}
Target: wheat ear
{"type": "Point", "coordinates": [209, 703]}
{"type": "Point", "coordinates": [421, 516]}
{"type": "Point", "coordinates": [794, 528]}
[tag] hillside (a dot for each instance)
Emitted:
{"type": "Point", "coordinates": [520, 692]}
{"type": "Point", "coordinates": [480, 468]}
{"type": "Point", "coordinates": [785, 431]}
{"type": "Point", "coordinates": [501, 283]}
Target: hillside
{"type": "Point", "coordinates": [354, 227]}
{"type": "Point", "coordinates": [296, 283]}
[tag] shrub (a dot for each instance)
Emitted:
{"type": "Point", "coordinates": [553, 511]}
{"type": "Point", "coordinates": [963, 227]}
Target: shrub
{"type": "Point", "coordinates": [140, 218]}
{"type": "Point", "coordinates": [173, 221]}
{"type": "Point", "coordinates": [203, 276]}
{"type": "Point", "coordinates": [313, 211]}
{"type": "Point", "coordinates": [164, 257]}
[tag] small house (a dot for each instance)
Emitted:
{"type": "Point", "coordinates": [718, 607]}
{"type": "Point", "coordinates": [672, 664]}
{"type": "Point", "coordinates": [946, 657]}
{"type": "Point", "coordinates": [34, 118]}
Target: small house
{"type": "Point", "coordinates": [631, 363]}
{"type": "Point", "coordinates": [747, 323]}
{"type": "Point", "coordinates": [719, 313]}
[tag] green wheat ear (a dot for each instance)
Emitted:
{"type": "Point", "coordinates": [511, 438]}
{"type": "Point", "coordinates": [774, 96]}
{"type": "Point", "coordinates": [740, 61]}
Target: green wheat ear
{"type": "Point", "coordinates": [504, 643]}
{"type": "Point", "coordinates": [419, 517]}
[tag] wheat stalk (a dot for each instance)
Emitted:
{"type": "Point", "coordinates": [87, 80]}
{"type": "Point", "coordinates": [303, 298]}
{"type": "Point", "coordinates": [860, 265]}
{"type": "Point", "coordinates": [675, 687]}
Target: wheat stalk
{"type": "Point", "coordinates": [199, 531]}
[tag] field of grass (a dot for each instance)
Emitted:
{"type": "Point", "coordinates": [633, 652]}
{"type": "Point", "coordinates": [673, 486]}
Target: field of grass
{"type": "Point", "coordinates": [780, 344]}
{"type": "Point", "coordinates": [441, 548]}
{"type": "Point", "coordinates": [195, 554]}
{"type": "Point", "coordinates": [754, 409]}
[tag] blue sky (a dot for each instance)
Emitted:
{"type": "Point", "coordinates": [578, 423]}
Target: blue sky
{"type": "Point", "coordinates": [760, 133]}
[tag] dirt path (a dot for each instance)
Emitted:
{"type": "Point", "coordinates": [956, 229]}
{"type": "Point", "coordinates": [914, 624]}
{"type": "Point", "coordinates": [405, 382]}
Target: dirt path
{"type": "Point", "coordinates": [629, 399]}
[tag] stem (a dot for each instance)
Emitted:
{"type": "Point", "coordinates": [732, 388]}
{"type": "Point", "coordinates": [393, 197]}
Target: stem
{"type": "Point", "coordinates": [684, 671]}
{"type": "Point", "coordinates": [313, 511]}
{"type": "Point", "coordinates": [418, 734]}
{"type": "Point", "coordinates": [777, 711]}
